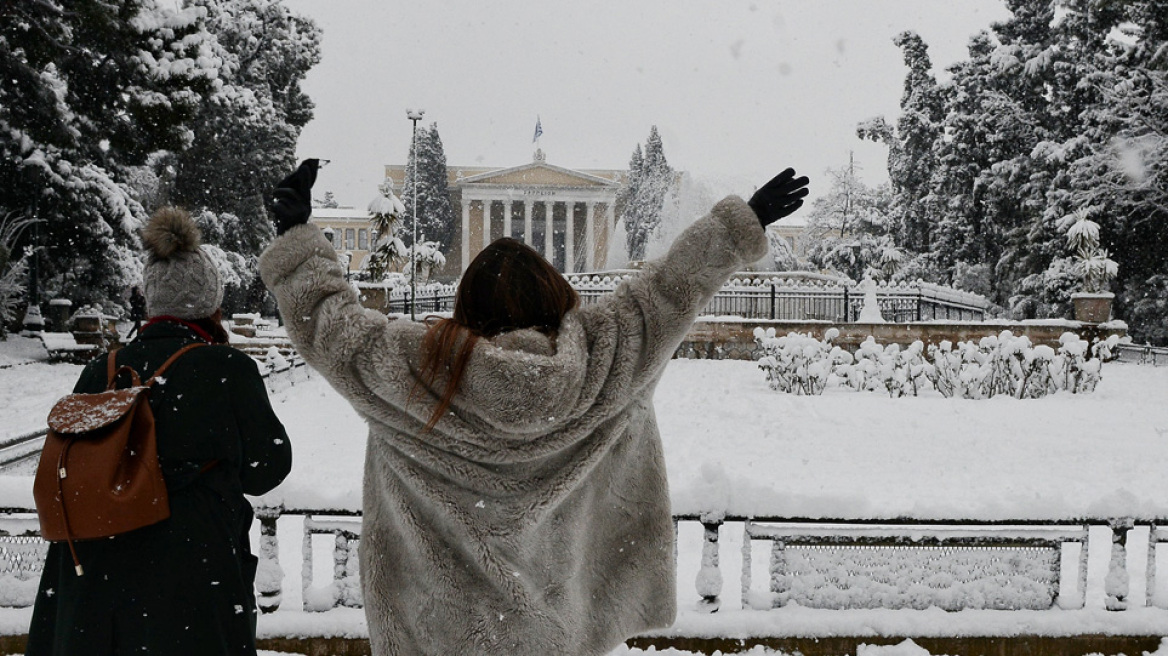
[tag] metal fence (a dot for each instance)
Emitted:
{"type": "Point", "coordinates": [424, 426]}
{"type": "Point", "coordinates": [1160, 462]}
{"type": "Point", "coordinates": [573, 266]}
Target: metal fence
{"type": "Point", "coordinates": [772, 297]}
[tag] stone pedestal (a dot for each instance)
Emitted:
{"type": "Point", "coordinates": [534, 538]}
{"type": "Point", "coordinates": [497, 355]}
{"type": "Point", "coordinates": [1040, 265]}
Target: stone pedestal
{"type": "Point", "coordinates": [33, 323]}
{"type": "Point", "coordinates": [1093, 308]}
{"type": "Point", "coordinates": [243, 324]}
{"type": "Point", "coordinates": [87, 328]}
{"type": "Point", "coordinates": [59, 311]}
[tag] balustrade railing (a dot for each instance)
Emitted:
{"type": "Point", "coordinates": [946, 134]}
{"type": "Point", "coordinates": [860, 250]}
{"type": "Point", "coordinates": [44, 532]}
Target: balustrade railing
{"type": "Point", "coordinates": [953, 565]}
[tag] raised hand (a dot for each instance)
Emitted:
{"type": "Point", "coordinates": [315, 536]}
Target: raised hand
{"type": "Point", "coordinates": [291, 201]}
{"type": "Point", "coordinates": [779, 197]}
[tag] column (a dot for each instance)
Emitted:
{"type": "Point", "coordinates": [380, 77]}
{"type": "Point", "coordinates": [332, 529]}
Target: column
{"type": "Point", "coordinates": [570, 237]}
{"type": "Point", "coordinates": [590, 236]}
{"type": "Point", "coordinates": [609, 223]}
{"type": "Point", "coordinates": [548, 250]}
{"type": "Point", "coordinates": [465, 233]}
{"type": "Point", "coordinates": [507, 218]}
{"type": "Point", "coordinates": [527, 206]}
{"type": "Point", "coordinates": [486, 222]}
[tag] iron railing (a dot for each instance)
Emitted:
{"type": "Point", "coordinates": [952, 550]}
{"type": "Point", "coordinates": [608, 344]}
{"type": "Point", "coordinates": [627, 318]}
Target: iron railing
{"type": "Point", "coordinates": [768, 297]}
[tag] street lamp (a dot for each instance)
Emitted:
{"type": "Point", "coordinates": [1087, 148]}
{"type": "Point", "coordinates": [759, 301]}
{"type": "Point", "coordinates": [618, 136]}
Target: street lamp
{"type": "Point", "coordinates": [414, 117]}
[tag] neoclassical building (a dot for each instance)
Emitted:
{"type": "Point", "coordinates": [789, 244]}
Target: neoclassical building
{"type": "Point", "coordinates": [351, 230]}
{"type": "Point", "coordinates": [565, 214]}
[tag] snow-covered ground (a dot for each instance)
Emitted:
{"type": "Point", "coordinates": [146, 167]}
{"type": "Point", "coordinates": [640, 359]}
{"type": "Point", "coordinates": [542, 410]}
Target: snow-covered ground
{"type": "Point", "coordinates": [734, 445]}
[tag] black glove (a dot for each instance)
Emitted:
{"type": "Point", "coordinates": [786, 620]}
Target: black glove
{"type": "Point", "coordinates": [291, 201]}
{"type": "Point", "coordinates": [779, 197]}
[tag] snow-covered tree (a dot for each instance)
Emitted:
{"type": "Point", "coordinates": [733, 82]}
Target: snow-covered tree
{"type": "Point", "coordinates": [911, 145]}
{"type": "Point", "coordinates": [110, 109]}
{"type": "Point", "coordinates": [388, 252]}
{"type": "Point", "coordinates": [1057, 109]}
{"type": "Point", "coordinates": [650, 180]}
{"type": "Point", "coordinates": [435, 213]}
{"type": "Point", "coordinates": [850, 228]}
{"type": "Point", "coordinates": [427, 257]}
{"type": "Point", "coordinates": [244, 136]}
{"type": "Point", "coordinates": [782, 253]}
{"type": "Point", "coordinates": [89, 90]}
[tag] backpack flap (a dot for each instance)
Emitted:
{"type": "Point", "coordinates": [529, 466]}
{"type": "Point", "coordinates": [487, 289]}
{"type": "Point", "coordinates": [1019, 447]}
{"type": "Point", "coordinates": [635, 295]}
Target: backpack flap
{"type": "Point", "coordinates": [78, 414]}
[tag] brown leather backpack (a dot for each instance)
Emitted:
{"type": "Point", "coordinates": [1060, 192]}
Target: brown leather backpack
{"type": "Point", "coordinates": [99, 474]}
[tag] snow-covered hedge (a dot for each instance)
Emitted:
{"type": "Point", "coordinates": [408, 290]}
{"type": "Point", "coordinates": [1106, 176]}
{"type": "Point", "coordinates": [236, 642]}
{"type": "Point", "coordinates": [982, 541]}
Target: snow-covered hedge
{"type": "Point", "coordinates": [1005, 364]}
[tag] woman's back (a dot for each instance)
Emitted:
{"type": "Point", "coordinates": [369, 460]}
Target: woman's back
{"type": "Point", "coordinates": [185, 585]}
{"type": "Point", "coordinates": [533, 516]}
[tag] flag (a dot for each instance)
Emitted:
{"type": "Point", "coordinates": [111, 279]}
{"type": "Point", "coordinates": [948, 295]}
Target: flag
{"type": "Point", "coordinates": [538, 130]}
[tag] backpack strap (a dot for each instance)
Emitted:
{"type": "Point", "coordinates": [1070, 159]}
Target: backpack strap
{"type": "Point", "coordinates": [112, 371]}
{"type": "Point", "coordinates": [169, 361]}
{"type": "Point", "coordinates": [111, 368]}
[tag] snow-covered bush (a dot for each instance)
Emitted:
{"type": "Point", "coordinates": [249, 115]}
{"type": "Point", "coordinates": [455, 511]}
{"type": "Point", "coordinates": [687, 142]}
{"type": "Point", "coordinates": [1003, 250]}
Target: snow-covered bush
{"type": "Point", "coordinates": [276, 360]}
{"type": "Point", "coordinates": [12, 282]}
{"type": "Point", "coordinates": [799, 364]}
{"type": "Point", "coordinates": [1078, 364]}
{"type": "Point", "coordinates": [13, 269]}
{"type": "Point", "coordinates": [1003, 364]}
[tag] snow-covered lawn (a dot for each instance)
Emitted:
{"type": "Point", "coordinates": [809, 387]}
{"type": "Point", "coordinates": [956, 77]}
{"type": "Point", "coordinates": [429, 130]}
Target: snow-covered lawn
{"type": "Point", "coordinates": [732, 444]}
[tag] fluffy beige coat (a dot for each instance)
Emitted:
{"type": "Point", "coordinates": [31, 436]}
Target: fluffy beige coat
{"type": "Point", "coordinates": [534, 518]}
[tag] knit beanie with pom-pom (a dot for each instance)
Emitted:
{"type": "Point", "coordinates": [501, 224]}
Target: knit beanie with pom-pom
{"type": "Point", "coordinates": [180, 280]}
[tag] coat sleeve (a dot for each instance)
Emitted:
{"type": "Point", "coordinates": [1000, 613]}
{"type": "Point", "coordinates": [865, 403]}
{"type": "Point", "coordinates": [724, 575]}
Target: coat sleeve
{"type": "Point", "coordinates": [634, 332]}
{"type": "Point", "coordinates": [265, 449]}
{"type": "Point", "coordinates": [354, 348]}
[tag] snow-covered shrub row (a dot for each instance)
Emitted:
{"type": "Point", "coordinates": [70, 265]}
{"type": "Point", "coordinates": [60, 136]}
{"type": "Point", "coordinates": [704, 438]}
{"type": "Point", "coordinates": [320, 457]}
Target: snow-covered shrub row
{"type": "Point", "coordinates": [1000, 364]}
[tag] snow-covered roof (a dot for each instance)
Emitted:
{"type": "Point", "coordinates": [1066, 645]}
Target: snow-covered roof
{"type": "Point", "coordinates": [568, 175]}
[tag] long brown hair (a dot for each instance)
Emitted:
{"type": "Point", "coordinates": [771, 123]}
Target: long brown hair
{"type": "Point", "coordinates": [508, 286]}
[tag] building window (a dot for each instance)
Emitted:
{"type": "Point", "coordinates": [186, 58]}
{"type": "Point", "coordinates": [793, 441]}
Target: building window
{"type": "Point", "coordinates": [336, 238]}
{"type": "Point", "coordinates": [363, 239]}
{"type": "Point", "coordinates": [350, 238]}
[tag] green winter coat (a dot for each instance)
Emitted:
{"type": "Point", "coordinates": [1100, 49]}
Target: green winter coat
{"type": "Point", "coordinates": [185, 585]}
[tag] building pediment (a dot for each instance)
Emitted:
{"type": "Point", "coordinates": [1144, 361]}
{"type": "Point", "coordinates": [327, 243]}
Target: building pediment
{"type": "Point", "coordinates": [538, 174]}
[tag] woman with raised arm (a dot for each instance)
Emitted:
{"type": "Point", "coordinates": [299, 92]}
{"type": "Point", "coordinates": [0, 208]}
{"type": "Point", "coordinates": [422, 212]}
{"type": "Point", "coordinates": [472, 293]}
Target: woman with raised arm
{"type": "Point", "coordinates": [515, 497]}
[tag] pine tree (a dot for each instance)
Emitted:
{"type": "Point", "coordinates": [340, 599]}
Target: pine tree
{"type": "Point", "coordinates": [435, 213]}
{"type": "Point", "coordinates": [89, 91]}
{"type": "Point", "coordinates": [438, 213]}
{"type": "Point", "coordinates": [650, 180]}
{"type": "Point", "coordinates": [912, 144]}
{"type": "Point", "coordinates": [1053, 114]}
{"type": "Point", "coordinates": [1120, 176]}
{"type": "Point", "coordinates": [245, 135]}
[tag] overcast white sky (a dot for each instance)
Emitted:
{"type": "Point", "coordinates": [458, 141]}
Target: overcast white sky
{"type": "Point", "coordinates": [739, 90]}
